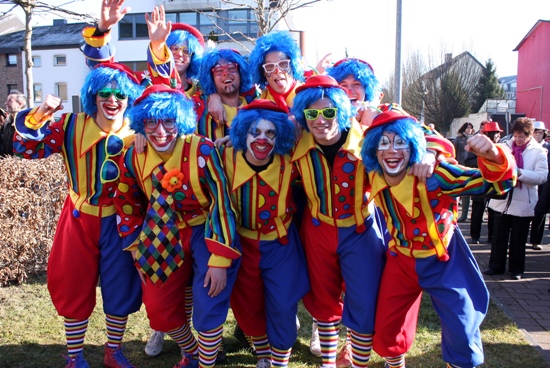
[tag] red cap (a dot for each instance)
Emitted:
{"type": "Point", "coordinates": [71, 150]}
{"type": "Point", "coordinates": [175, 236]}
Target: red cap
{"type": "Point", "coordinates": [263, 104]}
{"type": "Point", "coordinates": [389, 115]}
{"type": "Point", "coordinates": [186, 27]}
{"type": "Point", "coordinates": [320, 81]}
{"type": "Point", "coordinates": [491, 126]}
{"type": "Point", "coordinates": [157, 88]}
{"type": "Point", "coordinates": [351, 59]}
{"type": "Point", "coordinates": [122, 68]}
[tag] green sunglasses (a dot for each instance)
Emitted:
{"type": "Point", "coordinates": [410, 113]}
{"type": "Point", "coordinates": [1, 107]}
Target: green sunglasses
{"type": "Point", "coordinates": [107, 92]}
{"type": "Point", "coordinates": [328, 113]}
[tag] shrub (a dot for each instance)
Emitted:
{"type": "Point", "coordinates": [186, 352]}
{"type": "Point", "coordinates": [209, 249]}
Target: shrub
{"type": "Point", "coordinates": [32, 193]}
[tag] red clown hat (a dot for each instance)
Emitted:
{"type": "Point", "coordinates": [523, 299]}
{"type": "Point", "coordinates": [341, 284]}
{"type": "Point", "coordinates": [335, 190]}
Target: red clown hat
{"type": "Point", "coordinates": [264, 105]}
{"type": "Point", "coordinates": [157, 88]}
{"type": "Point", "coordinates": [320, 81]}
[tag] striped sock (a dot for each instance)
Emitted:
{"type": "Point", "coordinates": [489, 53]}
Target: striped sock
{"type": "Point", "coordinates": [328, 335]}
{"type": "Point", "coordinates": [361, 346]}
{"type": "Point", "coordinates": [185, 339]}
{"type": "Point", "coordinates": [115, 330]}
{"type": "Point", "coordinates": [396, 362]}
{"type": "Point", "coordinates": [189, 303]}
{"type": "Point", "coordinates": [75, 330]}
{"type": "Point", "coordinates": [209, 343]}
{"type": "Point", "coordinates": [449, 365]}
{"type": "Point", "coordinates": [262, 347]}
{"type": "Point", "coordinates": [279, 358]}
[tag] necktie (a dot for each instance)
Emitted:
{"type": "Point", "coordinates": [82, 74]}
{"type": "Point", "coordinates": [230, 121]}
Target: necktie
{"type": "Point", "coordinates": [159, 251]}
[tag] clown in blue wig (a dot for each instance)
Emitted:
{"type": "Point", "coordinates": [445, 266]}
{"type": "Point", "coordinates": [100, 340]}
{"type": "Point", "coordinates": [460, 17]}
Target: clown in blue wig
{"type": "Point", "coordinates": [273, 275]}
{"type": "Point", "coordinates": [86, 248]}
{"type": "Point", "coordinates": [277, 67]}
{"type": "Point", "coordinates": [224, 57]}
{"type": "Point", "coordinates": [116, 77]}
{"type": "Point", "coordinates": [362, 86]}
{"type": "Point", "coordinates": [412, 137]}
{"type": "Point", "coordinates": [273, 42]}
{"type": "Point", "coordinates": [344, 240]}
{"type": "Point", "coordinates": [174, 53]}
{"type": "Point", "coordinates": [164, 105]}
{"type": "Point", "coordinates": [251, 120]}
{"type": "Point", "coordinates": [347, 71]}
{"type": "Point", "coordinates": [326, 89]}
{"type": "Point", "coordinates": [426, 250]}
{"type": "Point", "coordinates": [177, 218]}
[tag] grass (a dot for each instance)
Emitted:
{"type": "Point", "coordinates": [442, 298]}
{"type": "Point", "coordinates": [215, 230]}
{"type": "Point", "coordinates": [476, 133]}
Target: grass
{"type": "Point", "coordinates": [32, 336]}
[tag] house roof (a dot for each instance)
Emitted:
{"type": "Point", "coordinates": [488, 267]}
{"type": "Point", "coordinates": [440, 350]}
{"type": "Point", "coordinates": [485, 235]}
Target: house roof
{"type": "Point", "coordinates": [44, 37]}
{"type": "Point", "coordinates": [539, 22]}
{"type": "Point", "coordinates": [438, 71]}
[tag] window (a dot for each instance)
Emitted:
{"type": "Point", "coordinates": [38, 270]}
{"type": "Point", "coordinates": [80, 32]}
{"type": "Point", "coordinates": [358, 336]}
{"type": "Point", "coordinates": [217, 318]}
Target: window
{"type": "Point", "coordinates": [133, 26]}
{"type": "Point", "coordinates": [12, 88]}
{"type": "Point", "coordinates": [11, 60]}
{"type": "Point", "coordinates": [36, 61]}
{"type": "Point", "coordinates": [232, 21]}
{"type": "Point", "coordinates": [37, 90]}
{"type": "Point", "coordinates": [137, 66]}
{"type": "Point", "coordinates": [61, 91]}
{"type": "Point", "coordinates": [59, 60]}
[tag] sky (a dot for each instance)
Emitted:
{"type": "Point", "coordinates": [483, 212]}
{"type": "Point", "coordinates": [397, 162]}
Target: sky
{"type": "Point", "coordinates": [367, 28]}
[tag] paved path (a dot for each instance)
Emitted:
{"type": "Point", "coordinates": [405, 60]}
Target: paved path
{"type": "Point", "coordinates": [526, 301]}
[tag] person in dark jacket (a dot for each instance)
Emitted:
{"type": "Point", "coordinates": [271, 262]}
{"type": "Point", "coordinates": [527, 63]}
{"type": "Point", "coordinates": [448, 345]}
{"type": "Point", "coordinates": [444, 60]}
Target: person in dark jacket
{"type": "Point", "coordinates": [543, 204]}
{"type": "Point", "coordinates": [464, 132]}
{"type": "Point", "coordinates": [15, 102]}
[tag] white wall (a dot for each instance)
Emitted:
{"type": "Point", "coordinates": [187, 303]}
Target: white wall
{"type": "Point", "coordinates": [48, 75]}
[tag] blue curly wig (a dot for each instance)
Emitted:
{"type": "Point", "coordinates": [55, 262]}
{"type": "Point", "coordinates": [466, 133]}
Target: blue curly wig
{"type": "Point", "coordinates": [162, 106]}
{"type": "Point", "coordinates": [245, 119]}
{"type": "Point", "coordinates": [98, 78]}
{"type": "Point", "coordinates": [337, 96]}
{"type": "Point", "coordinates": [360, 71]}
{"type": "Point", "coordinates": [212, 58]}
{"type": "Point", "coordinates": [179, 37]}
{"type": "Point", "coordinates": [275, 41]}
{"type": "Point", "coordinates": [407, 128]}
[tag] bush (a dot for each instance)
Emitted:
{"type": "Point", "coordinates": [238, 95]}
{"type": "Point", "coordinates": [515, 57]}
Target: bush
{"type": "Point", "coordinates": [32, 193]}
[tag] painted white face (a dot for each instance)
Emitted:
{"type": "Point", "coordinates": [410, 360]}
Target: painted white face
{"type": "Point", "coordinates": [260, 142]}
{"type": "Point", "coordinates": [161, 133]}
{"type": "Point", "coordinates": [393, 154]}
{"type": "Point", "coordinates": [111, 102]}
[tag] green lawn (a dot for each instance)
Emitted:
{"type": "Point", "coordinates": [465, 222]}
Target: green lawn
{"type": "Point", "coordinates": [31, 336]}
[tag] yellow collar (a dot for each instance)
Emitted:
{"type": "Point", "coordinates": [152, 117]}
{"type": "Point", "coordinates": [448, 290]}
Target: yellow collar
{"type": "Point", "coordinates": [353, 142]}
{"type": "Point", "coordinates": [243, 172]}
{"type": "Point", "coordinates": [402, 192]}
{"type": "Point", "coordinates": [151, 159]}
{"type": "Point", "coordinates": [92, 133]}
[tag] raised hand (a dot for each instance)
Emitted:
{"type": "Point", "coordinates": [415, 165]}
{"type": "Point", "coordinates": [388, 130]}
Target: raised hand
{"type": "Point", "coordinates": [111, 14]}
{"type": "Point", "coordinates": [158, 29]}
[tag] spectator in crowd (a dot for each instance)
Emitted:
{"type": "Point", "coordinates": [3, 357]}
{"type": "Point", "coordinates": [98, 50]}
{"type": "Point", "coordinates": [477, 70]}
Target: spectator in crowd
{"type": "Point", "coordinates": [543, 204]}
{"type": "Point", "coordinates": [479, 203]}
{"type": "Point", "coordinates": [512, 218]}
{"type": "Point", "coordinates": [15, 102]}
{"type": "Point", "coordinates": [465, 132]}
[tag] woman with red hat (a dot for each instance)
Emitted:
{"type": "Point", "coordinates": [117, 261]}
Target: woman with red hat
{"type": "Point", "coordinates": [492, 130]}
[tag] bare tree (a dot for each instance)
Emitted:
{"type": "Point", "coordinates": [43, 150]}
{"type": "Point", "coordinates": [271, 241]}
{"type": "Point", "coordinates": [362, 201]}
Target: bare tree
{"type": "Point", "coordinates": [438, 92]}
{"type": "Point", "coordinates": [31, 8]}
{"type": "Point", "coordinates": [268, 14]}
